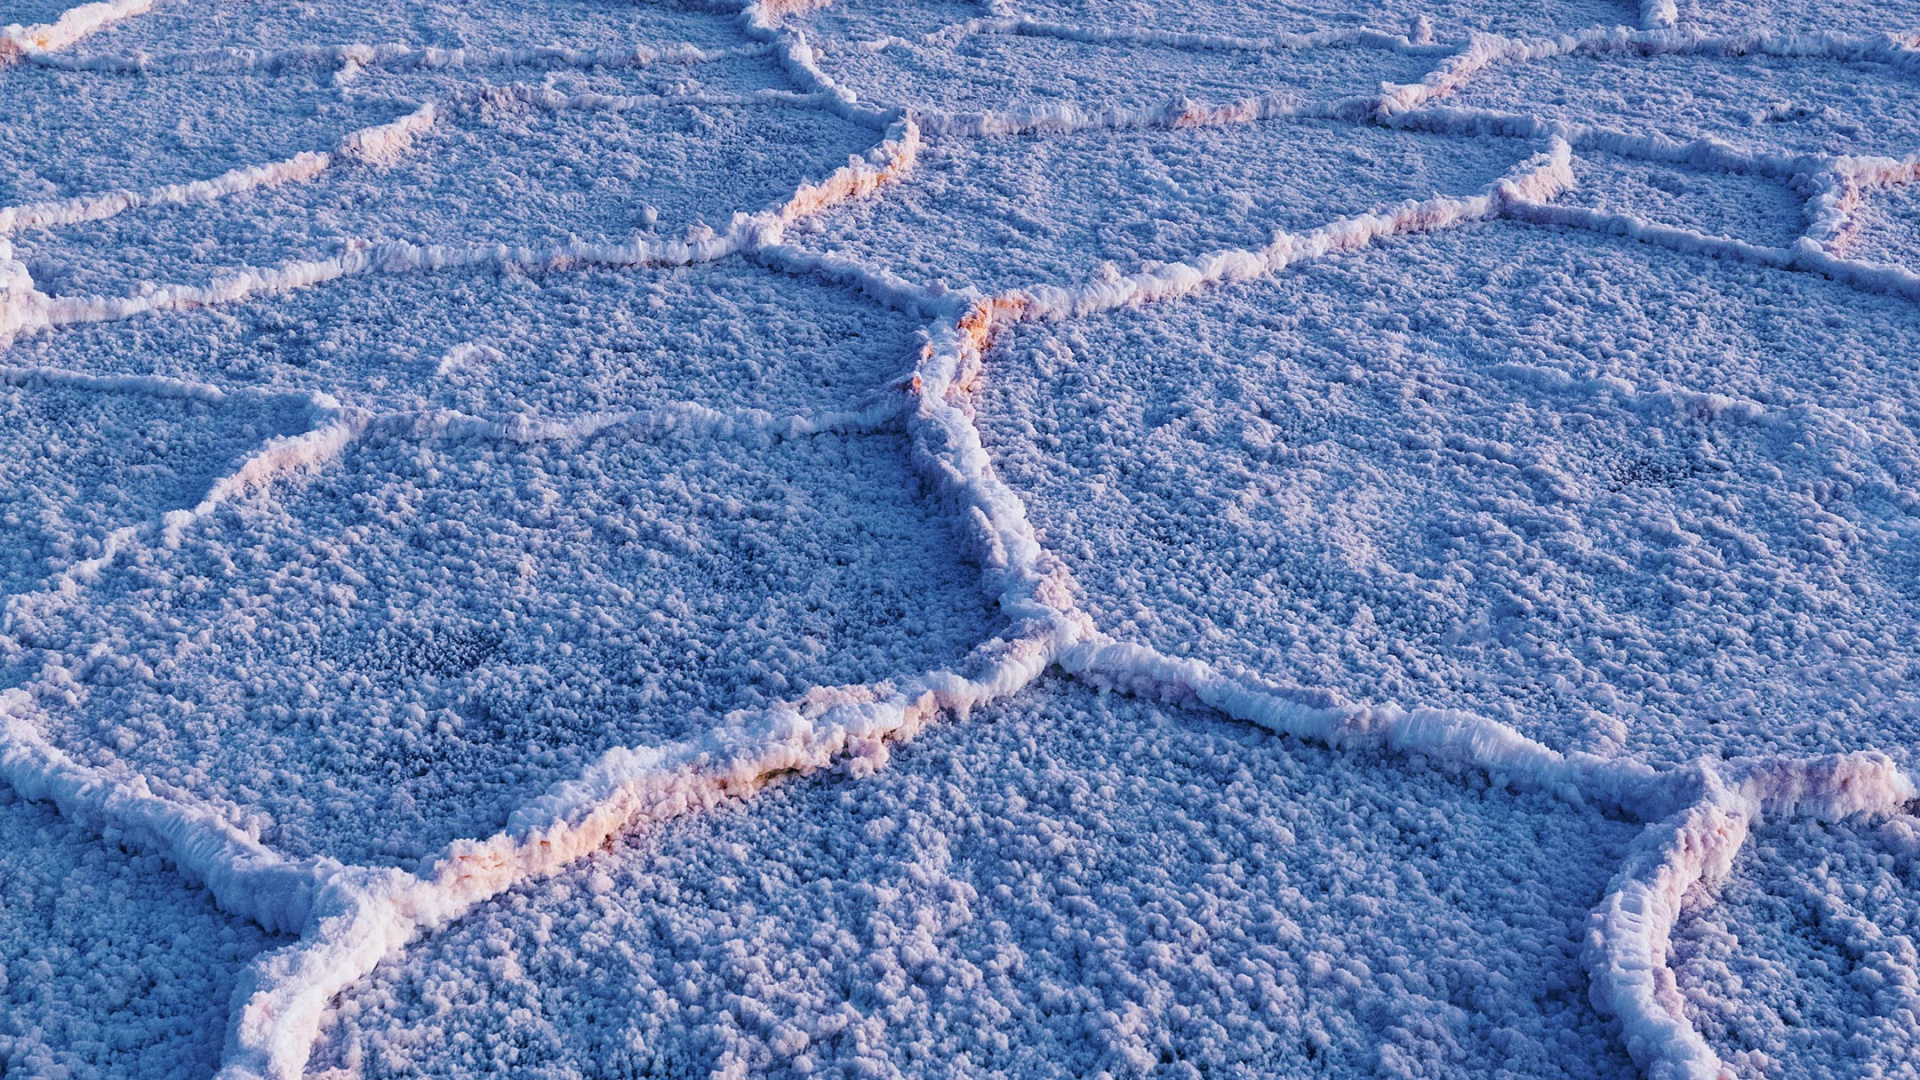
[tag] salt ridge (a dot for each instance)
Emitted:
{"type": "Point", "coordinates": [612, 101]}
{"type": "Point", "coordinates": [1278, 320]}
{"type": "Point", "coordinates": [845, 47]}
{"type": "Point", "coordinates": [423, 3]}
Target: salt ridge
{"type": "Point", "coordinates": [351, 918]}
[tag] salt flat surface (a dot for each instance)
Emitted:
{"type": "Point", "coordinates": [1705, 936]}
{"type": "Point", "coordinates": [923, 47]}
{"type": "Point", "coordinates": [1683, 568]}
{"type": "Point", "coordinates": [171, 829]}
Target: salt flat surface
{"type": "Point", "coordinates": [1014, 538]}
{"type": "Point", "coordinates": [113, 965]}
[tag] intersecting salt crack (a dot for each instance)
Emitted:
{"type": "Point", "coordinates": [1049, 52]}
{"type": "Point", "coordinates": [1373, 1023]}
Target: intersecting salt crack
{"type": "Point", "coordinates": [351, 917]}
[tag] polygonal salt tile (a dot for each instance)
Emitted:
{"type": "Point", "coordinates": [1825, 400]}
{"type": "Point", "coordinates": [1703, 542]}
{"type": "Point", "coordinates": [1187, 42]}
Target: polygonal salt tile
{"type": "Point", "coordinates": [1888, 227]}
{"type": "Point", "coordinates": [1006, 212]}
{"type": "Point", "coordinates": [78, 464]}
{"type": "Point", "coordinates": [1001, 73]}
{"type": "Point", "coordinates": [1803, 963]}
{"type": "Point", "coordinates": [1898, 17]}
{"type": "Point", "coordinates": [110, 964]}
{"type": "Point", "coordinates": [1255, 18]}
{"type": "Point", "coordinates": [1065, 884]}
{"type": "Point", "coordinates": [1611, 494]}
{"type": "Point", "coordinates": [165, 127]}
{"type": "Point", "coordinates": [557, 345]}
{"type": "Point", "coordinates": [1787, 105]}
{"type": "Point", "coordinates": [507, 169]}
{"type": "Point", "coordinates": [381, 655]}
{"type": "Point", "coordinates": [193, 25]}
{"type": "Point", "coordinates": [1758, 209]}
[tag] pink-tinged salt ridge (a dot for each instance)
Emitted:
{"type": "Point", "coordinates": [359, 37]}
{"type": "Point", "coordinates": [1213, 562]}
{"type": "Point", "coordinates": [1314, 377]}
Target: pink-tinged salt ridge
{"type": "Point", "coordinates": [1840, 188]}
{"type": "Point", "coordinates": [360, 917]}
{"type": "Point", "coordinates": [884, 164]}
{"type": "Point", "coordinates": [1806, 256]}
{"type": "Point", "coordinates": [355, 917]}
{"type": "Point", "coordinates": [1627, 939]}
{"type": "Point", "coordinates": [74, 24]}
{"type": "Point", "coordinates": [385, 143]}
{"type": "Point", "coordinates": [1629, 933]}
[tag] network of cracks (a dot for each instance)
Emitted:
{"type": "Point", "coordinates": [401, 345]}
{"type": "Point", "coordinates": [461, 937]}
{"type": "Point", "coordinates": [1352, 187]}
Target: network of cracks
{"type": "Point", "coordinates": [936, 570]}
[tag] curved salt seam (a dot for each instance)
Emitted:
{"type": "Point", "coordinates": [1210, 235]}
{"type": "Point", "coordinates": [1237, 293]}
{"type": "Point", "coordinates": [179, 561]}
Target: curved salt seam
{"type": "Point", "coordinates": [997, 551]}
{"type": "Point", "coordinates": [381, 143]}
{"type": "Point", "coordinates": [1839, 189]}
{"type": "Point", "coordinates": [1487, 50]}
{"type": "Point", "coordinates": [394, 56]}
{"type": "Point", "coordinates": [1345, 37]}
{"type": "Point", "coordinates": [681, 419]}
{"type": "Point", "coordinates": [1804, 256]}
{"type": "Point", "coordinates": [278, 457]}
{"type": "Point", "coordinates": [72, 25]}
{"type": "Point", "coordinates": [363, 916]}
{"type": "Point", "coordinates": [367, 916]}
{"type": "Point", "coordinates": [760, 20]}
{"type": "Point", "coordinates": [24, 312]}
{"type": "Point", "coordinates": [1448, 736]}
{"type": "Point", "coordinates": [1629, 931]}
{"type": "Point", "coordinates": [246, 878]}
{"type": "Point", "coordinates": [1540, 177]}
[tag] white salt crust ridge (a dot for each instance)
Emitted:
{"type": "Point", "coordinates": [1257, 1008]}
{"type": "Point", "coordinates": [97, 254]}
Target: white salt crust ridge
{"type": "Point", "coordinates": [1630, 930]}
{"type": "Point", "coordinates": [278, 457]}
{"type": "Point", "coordinates": [25, 311]}
{"type": "Point", "coordinates": [1168, 39]}
{"type": "Point", "coordinates": [352, 917]}
{"type": "Point", "coordinates": [378, 144]}
{"type": "Point", "coordinates": [390, 56]}
{"type": "Point", "coordinates": [1838, 190]}
{"type": "Point", "coordinates": [1485, 51]}
{"type": "Point", "coordinates": [71, 26]}
{"type": "Point", "coordinates": [628, 787]}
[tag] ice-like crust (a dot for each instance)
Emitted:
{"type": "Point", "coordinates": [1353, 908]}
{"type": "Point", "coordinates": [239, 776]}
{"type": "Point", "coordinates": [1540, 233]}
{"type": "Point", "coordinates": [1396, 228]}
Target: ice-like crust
{"type": "Point", "coordinates": [352, 917]}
